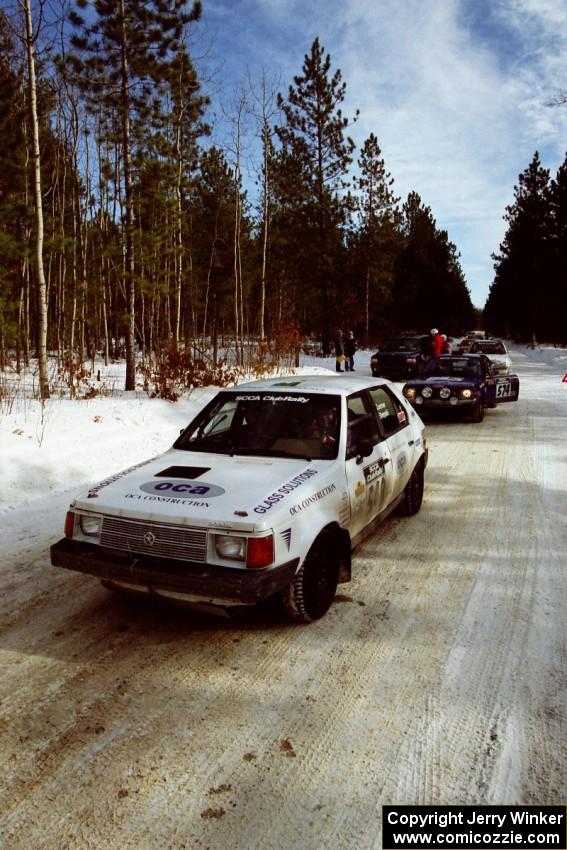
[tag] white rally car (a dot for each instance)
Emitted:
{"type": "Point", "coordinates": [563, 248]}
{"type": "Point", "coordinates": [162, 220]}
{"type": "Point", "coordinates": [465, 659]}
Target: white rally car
{"type": "Point", "coordinates": [267, 491]}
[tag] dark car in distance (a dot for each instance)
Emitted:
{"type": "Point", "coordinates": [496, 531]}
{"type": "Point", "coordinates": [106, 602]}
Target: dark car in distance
{"type": "Point", "coordinates": [401, 356]}
{"type": "Point", "coordinates": [461, 383]}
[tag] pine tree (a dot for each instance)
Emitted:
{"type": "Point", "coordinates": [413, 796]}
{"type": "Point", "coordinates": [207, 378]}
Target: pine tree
{"type": "Point", "coordinates": [379, 227]}
{"type": "Point", "coordinates": [14, 216]}
{"type": "Point", "coordinates": [123, 58]}
{"type": "Point", "coordinates": [430, 287]}
{"type": "Point", "coordinates": [555, 308]}
{"type": "Point", "coordinates": [314, 139]}
{"type": "Point", "coordinates": [522, 266]}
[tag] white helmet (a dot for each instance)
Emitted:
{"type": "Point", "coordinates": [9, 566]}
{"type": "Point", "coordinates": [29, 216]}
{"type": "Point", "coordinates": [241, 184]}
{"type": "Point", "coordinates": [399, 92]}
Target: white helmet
{"type": "Point", "coordinates": [434, 331]}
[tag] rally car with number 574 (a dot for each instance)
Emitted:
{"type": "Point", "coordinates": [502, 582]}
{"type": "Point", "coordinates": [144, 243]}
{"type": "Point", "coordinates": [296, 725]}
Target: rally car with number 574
{"type": "Point", "coordinates": [464, 384]}
{"type": "Point", "coordinates": [266, 492]}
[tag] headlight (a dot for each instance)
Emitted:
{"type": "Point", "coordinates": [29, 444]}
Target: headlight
{"type": "Point", "coordinates": [466, 393]}
{"type": "Point", "coordinates": [90, 525]}
{"type": "Point", "coordinates": [427, 392]}
{"type": "Point", "coordinates": [230, 547]}
{"type": "Point", "coordinates": [409, 392]}
{"type": "Point", "coordinates": [444, 392]}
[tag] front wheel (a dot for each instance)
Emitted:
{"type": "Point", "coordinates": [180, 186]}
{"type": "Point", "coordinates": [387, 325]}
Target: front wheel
{"type": "Point", "coordinates": [413, 493]}
{"type": "Point", "coordinates": [478, 412]}
{"type": "Point", "coordinates": [313, 589]}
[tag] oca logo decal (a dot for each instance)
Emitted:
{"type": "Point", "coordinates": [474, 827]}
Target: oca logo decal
{"type": "Point", "coordinates": [182, 489]}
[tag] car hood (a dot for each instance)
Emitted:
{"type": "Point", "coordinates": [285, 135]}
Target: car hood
{"type": "Point", "coordinates": [203, 489]}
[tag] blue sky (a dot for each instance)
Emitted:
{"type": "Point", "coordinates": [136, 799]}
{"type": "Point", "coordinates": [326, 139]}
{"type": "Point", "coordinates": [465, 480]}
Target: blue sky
{"type": "Point", "coordinates": [456, 91]}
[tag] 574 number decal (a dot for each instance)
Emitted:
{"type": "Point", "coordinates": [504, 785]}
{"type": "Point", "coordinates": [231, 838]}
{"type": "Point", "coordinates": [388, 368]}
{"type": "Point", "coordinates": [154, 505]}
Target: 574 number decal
{"type": "Point", "coordinates": [504, 389]}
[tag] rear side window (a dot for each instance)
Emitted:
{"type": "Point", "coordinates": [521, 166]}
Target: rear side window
{"type": "Point", "coordinates": [362, 423]}
{"type": "Point", "coordinates": [391, 412]}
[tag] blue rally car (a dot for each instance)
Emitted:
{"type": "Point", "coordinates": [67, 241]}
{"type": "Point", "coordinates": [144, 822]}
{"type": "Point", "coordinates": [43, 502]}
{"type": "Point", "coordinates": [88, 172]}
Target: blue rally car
{"type": "Point", "coordinates": [464, 383]}
{"type": "Point", "coordinates": [401, 357]}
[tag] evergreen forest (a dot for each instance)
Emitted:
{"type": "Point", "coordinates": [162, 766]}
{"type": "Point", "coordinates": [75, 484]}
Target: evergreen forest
{"type": "Point", "coordinates": [126, 232]}
{"type": "Point", "coordinates": [528, 298]}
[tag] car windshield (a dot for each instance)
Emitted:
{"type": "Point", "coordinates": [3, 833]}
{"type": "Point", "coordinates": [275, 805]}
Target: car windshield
{"type": "Point", "coordinates": [402, 344]}
{"type": "Point", "coordinates": [266, 424]}
{"type": "Point", "coordinates": [452, 366]}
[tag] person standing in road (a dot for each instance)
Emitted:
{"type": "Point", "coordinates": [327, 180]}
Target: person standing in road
{"type": "Point", "coordinates": [436, 342]}
{"type": "Point", "coordinates": [350, 348]}
{"type": "Point", "coordinates": [339, 351]}
{"type": "Point", "coordinates": [446, 344]}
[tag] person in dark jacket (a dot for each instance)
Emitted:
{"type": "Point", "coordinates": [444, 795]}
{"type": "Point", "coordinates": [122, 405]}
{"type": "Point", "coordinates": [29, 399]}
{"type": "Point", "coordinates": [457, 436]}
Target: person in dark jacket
{"type": "Point", "coordinates": [339, 351]}
{"type": "Point", "coordinates": [350, 348]}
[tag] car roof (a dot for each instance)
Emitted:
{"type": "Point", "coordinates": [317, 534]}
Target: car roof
{"type": "Point", "coordinates": [474, 358]}
{"type": "Point", "coordinates": [327, 384]}
{"type": "Point", "coordinates": [488, 341]}
{"type": "Point", "coordinates": [407, 336]}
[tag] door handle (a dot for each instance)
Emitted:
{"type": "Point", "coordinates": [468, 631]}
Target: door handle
{"type": "Point", "coordinates": [383, 461]}
{"type": "Point", "coordinates": [411, 443]}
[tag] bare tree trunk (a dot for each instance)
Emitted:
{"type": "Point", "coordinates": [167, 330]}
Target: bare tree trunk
{"type": "Point", "coordinates": [40, 274]}
{"type": "Point", "coordinates": [367, 308]}
{"type": "Point", "coordinates": [209, 274]}
{"type": "Point", "coordinates": [265, 100]}
{"type": "Point", "coordinates": [129, 258]}
{"type": "Point", "coordinates": [179, 235]}
{"type": "Point", "coordinates": [265, 229]}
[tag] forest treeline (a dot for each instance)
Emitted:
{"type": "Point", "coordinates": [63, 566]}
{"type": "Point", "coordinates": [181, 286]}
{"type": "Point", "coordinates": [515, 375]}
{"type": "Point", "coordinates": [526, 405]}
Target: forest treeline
{"type": "Point", "coordinates": [124, 229]}
{"type": "Point", "coordinates": [528, 298]}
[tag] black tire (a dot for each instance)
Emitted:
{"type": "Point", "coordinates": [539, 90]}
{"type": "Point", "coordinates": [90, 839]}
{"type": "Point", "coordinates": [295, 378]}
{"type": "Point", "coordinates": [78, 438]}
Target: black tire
{"type": "Point", "coordinates": [413, 493]}
{"type": "Point", "coordinates": [313, 589]}
{"type": "Point", "coordinates": [477, 414]}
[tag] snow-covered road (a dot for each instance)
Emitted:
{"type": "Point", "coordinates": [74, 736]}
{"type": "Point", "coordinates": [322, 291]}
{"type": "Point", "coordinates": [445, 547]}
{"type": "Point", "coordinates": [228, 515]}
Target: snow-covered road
{"type": "Point", "coordinates": [438, 676]}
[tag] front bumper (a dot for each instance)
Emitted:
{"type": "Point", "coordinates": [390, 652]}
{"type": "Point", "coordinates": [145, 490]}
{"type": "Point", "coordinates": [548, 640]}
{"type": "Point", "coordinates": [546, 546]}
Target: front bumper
{"type": "Point", "coordinates": [208, 582]}
{"type": "Point", "coordinates": [443, 403]}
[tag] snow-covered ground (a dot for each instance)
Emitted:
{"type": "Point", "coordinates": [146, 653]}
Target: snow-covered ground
{"type": "Point", "coordinates": [438, 676]}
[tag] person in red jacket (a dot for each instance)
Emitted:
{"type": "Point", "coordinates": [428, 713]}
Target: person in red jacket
{"type": "Point", "coordinates": [436, 342]}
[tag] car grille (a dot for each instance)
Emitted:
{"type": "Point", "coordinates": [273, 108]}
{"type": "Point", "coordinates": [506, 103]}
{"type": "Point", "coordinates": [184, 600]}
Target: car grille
{"type": "Point", "coordinates": [154, 538]}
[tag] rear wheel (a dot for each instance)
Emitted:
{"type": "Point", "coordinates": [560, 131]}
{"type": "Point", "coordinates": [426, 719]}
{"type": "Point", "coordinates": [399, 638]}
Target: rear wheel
{"type": "Point", "coordinates": [313, 589]}
{"type": "Point", "coordinates": [413, 493]}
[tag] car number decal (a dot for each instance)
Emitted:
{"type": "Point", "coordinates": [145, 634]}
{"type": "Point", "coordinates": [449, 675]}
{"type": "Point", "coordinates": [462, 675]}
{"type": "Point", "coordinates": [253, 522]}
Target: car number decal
{"type": "Point", "coordinates": [503, 389]}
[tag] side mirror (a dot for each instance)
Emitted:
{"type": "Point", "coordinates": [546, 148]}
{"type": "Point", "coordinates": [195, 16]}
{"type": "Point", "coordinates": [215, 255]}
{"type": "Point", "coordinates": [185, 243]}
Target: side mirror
{"type": "Point", "coordinates": [363, 449]}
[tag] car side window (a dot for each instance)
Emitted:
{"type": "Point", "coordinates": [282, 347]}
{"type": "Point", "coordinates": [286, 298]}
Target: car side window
{"type": "Point", "coordinates": [391, 412]}
{"type": "Point", "coordinates": [362, 423]}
